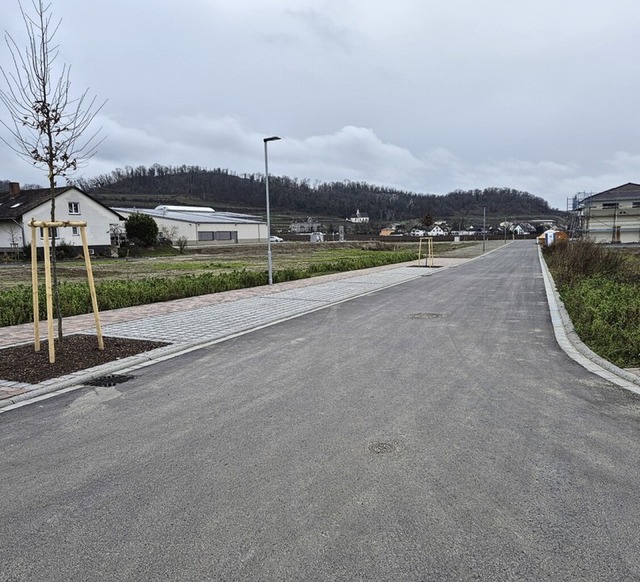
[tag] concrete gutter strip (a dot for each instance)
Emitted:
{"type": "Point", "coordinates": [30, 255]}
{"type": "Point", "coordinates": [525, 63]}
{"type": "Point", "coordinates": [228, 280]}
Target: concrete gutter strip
{"type": "Point", "coordinates": [574, 347]}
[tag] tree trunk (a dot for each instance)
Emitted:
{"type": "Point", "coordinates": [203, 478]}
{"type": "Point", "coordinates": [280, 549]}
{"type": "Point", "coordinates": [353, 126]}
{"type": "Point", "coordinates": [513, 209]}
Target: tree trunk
{"type": "Point", "coordinates": [54, 260]}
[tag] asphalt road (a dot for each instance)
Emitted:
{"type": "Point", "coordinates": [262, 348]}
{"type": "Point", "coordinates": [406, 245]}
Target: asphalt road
{"type": "Point", "coordinates": [430, 431]}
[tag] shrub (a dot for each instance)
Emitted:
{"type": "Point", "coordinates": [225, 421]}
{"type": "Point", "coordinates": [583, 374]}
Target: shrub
{"type": "Point", "coordinates": [571, 261]}
{"type": "Point", "coordinates": [141, 229]}
{"type": "Point", "coordinates": [182, 244]}
{"type": "Point", "coordinates": [65, 250]}
{"type": "Point", "coordinates": [26, 251]}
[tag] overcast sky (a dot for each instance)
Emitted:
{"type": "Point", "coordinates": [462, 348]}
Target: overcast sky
{"type": "Point", "coordinates": [422, 95]}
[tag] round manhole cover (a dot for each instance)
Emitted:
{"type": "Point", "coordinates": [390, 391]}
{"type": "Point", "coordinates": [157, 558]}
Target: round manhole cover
{"type": "Point", "coordinates": [425, 315]}
{"type": "Point", "coordinates": [380, 448]}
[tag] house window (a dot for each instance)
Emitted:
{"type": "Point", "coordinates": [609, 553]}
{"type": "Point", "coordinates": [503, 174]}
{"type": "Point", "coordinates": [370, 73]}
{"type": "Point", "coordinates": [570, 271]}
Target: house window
{"type": "Point", "coordinates": [75, 230]}
{"type": "Point", "coordinates": [74, 207]}
{"type": "Point", "coordinates": [635, 204]}
{"type": "Point", "coordinates": [52, 232]}
{"type": "Point", "coordinates": [610, 205]}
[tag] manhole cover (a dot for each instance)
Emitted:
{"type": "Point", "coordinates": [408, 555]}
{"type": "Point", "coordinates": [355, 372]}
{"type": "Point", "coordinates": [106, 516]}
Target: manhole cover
{"type": "Point", "coordinates": [380, 448]}
{"type": "Point", "coordinates": [425, 315]}
{"type": "Point", "coordinates": [109, 380]}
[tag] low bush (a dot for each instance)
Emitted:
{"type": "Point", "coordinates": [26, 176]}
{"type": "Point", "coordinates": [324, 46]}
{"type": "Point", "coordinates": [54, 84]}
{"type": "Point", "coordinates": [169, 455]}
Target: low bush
{"type": "Point", "coordinates": [572, 261]}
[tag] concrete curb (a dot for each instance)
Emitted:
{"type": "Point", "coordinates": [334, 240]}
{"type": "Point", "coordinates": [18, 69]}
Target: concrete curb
{"type": "Point", "coordinates": [574, 347]}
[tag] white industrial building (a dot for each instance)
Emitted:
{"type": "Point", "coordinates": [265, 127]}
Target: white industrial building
{"type": "Point", "coordinates": [201, 225]}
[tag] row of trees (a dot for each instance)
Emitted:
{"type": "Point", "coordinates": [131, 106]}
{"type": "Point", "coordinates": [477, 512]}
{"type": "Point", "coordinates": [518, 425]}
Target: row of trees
{"type": "Point", "coordinates": [221, 187]}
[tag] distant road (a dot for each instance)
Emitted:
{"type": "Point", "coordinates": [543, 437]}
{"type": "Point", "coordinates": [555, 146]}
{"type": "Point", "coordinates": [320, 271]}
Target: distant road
{"type": "Point", "coordinates": [430, 431]}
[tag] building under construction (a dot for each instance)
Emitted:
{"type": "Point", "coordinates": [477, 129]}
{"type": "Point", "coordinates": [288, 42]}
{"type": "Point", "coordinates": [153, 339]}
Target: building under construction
{"type": "Point", "coordinates": [612, 216]}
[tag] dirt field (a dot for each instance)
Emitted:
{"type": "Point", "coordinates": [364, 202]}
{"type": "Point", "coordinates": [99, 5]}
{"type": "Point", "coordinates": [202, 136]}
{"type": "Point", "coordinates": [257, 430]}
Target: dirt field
{"type": "Point", "coordinates": [225, 258]}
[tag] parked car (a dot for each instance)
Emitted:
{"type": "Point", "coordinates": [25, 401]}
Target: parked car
{"type": "Point", "coordinates": [275, 239]}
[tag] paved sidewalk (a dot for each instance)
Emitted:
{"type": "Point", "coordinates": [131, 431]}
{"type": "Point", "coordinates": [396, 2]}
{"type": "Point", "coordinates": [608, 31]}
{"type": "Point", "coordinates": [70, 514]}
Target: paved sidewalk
{"type": "Point", "coordinates": [198, 321]}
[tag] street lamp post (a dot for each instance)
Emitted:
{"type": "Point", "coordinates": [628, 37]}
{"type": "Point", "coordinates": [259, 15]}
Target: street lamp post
{"type": "Point", "coordinates": [484, 226]}
{"type": "Point", "coordinates": [266, 140]}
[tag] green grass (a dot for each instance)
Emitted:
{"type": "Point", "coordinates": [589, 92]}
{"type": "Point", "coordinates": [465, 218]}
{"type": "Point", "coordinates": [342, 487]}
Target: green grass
{"type": "Point", "coordinates": [600, 288]}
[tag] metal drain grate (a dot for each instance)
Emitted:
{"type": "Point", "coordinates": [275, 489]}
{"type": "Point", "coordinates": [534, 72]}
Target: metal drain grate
{"type": "Point", "coordinates": [109, 380]}
{"type": "Point", "coordinates": [425, 315]}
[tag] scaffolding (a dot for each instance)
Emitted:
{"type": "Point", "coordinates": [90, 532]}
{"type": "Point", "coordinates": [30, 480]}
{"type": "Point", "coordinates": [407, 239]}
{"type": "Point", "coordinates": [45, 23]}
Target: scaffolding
{"type": "Point", "coordinates": [575, 209]}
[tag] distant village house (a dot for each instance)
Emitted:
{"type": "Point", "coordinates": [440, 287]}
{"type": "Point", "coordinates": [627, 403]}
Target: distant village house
{"type": "Point", "coordinates": [305, 226]}
{"type": "Point", "coordinates": [358, 217]}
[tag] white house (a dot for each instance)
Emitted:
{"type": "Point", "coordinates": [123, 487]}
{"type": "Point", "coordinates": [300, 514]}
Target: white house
{"type": "Point", "coordinates": [203, 225]}
{"type": "Point", "coordinates": [18, 207]}
{"type": "Point", "coordinates": [436, 230]}
{"type": "Point", "coordinates": [359, 217]}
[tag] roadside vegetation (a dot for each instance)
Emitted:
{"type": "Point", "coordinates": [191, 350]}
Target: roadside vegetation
{"type": "Point", "coordinates": [600, 288]}
{"type": "Point", "coordinates": [125, 283]}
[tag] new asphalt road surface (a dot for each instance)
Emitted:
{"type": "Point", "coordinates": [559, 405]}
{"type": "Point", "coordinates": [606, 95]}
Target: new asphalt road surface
{"type": "Point", "coordinates": [433, 430]}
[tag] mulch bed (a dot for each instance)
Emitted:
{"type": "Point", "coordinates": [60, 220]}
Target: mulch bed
{"type": "Point", "coordinates": [78, 352]}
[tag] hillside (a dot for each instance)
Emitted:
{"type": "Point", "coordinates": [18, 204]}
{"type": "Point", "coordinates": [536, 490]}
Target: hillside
{"type": "Point", "coordinates": [223, 190]}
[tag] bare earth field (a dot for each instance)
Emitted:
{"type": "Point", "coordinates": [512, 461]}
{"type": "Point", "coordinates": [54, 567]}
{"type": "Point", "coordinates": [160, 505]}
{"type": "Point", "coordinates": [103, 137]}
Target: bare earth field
{"type": "Point", "coordinates": [221, 259]}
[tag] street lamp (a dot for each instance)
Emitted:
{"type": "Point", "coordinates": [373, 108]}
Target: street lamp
{"type": "Point", "coordinates": [266, 140]}
{"type": "Point", "coordinates": [484, 226]}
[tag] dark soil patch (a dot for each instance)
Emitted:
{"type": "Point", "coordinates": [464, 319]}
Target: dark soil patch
{"type": "Point", "coordinates": [78, 352]}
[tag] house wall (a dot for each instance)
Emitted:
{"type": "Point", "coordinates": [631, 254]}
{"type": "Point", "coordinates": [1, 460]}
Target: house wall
{"type": "Point", "coordinates": [246, 233]}
{"type": "Point", "coordinates": [97, 217]}
{"type": "Point", "coordinates": [608, 225]}
{"type": "Point", "coordinates": [11, 235]}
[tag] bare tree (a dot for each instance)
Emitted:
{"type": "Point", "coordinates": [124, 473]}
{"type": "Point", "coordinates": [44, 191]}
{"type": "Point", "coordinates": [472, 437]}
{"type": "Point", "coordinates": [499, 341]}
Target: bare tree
{"type": "Point", "coordinates": [15, 235]}
{"type": "Point", "coordinates": [48, 126]}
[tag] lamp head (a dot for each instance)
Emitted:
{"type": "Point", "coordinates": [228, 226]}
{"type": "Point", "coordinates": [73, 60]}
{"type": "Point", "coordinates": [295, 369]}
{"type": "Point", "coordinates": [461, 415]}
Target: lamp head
{"type": "Point", "coordinates": [272, 138]}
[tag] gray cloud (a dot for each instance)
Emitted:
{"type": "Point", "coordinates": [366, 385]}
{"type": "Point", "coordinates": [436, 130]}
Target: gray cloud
{"type": "Point", "coordinates": [423, 96]}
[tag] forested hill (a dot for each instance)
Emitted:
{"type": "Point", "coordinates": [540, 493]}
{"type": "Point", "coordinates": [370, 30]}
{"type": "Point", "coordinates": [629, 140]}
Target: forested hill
{"type": "Point", "coordinates": [224, 190]}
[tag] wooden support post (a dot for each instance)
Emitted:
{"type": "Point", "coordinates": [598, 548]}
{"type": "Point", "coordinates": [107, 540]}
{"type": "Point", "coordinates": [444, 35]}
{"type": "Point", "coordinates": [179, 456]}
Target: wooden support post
{"type": "Point", "coordinates": [92, 286]}
{"type": "Point", "coordinates": [428, 257]}
{"type": "Point", "coordinates": [46, 225]}
{"type": "Point", "coordinates": [49, 291]}
{"type": "Point", "coordinates": [34, 285]}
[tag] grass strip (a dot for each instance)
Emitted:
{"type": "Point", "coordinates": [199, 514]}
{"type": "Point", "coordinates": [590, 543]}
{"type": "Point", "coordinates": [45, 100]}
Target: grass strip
{"type": "Point", "coordinates": [16, 303]}
{"type": "Point", "coordinates": [600, 288]}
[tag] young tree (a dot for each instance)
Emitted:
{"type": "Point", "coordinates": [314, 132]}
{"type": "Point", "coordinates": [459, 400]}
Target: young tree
{"type": "Point", "coordinates": [48, 125]}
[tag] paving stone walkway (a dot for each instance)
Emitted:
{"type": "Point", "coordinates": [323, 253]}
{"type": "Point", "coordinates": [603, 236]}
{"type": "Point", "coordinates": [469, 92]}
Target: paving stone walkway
{"type": "Point", "coordinates": [196, 321]}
